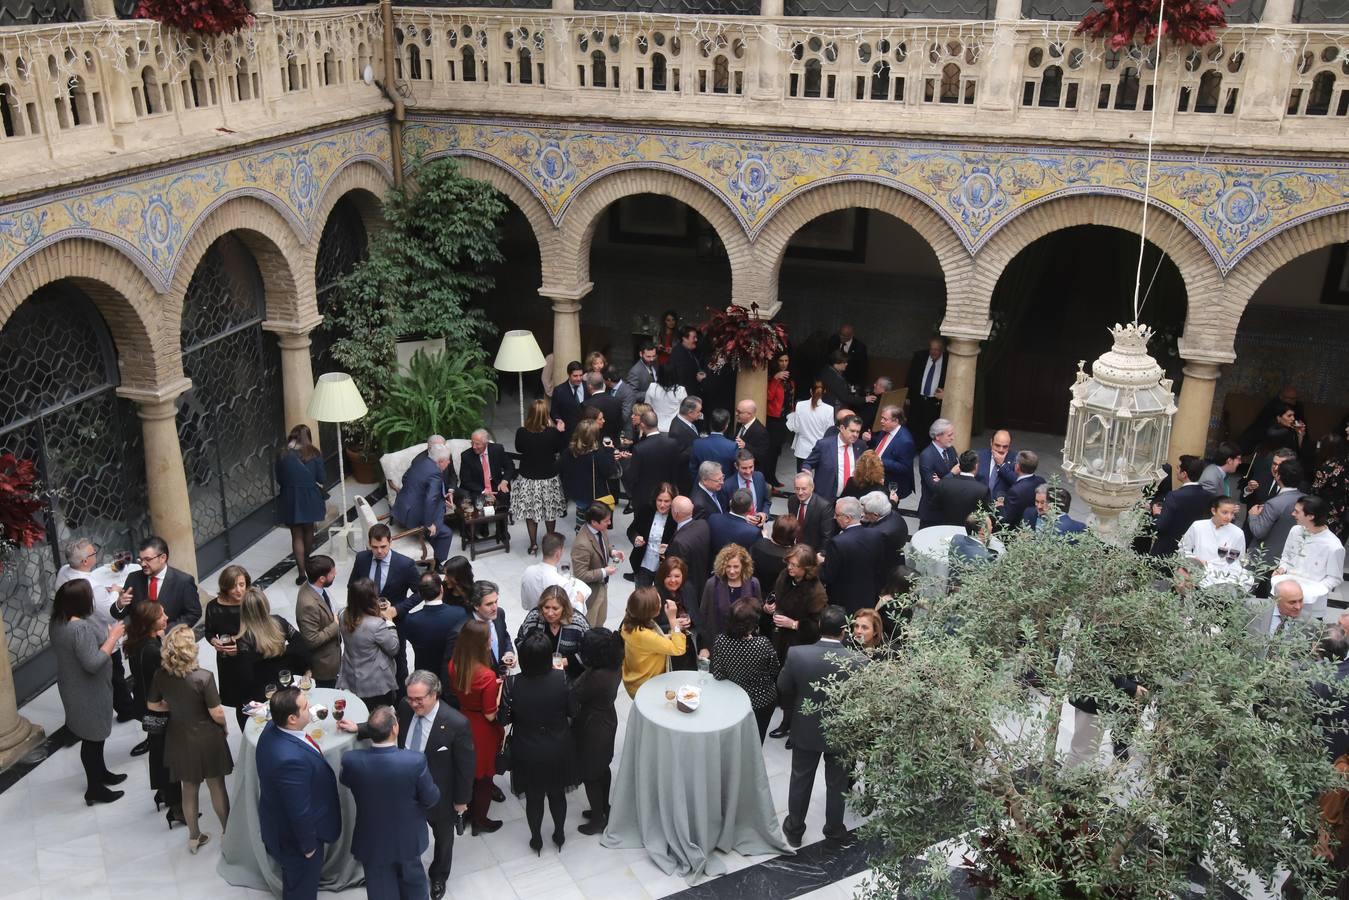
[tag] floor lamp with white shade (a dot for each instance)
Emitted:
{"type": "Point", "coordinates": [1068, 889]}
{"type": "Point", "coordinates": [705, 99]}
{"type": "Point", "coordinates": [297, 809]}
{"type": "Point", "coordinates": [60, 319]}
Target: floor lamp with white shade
{"type": "Point", "coordinates": [336, 399]}
{"type": "Point", "coordinates": [519, 353]}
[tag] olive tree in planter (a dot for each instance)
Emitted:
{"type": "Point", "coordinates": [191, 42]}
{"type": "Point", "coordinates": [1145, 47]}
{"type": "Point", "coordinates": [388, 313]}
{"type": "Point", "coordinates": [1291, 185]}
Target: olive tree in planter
{"type": "Point", "coordinates": [422, 271]}
{"type": "Point", "coordinates": [955, 735]}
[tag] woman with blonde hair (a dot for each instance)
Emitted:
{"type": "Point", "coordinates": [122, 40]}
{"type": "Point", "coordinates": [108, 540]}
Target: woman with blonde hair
{"type": "Point", "coordinates": [595, 362]}
{"type": "Point", "coordinates": [867, 633]}
{"type": "Point", "coordinates": [732, 578]}
{"type": "Point", "coordinates": [809, 421]}
{"type": "Point", "coordinates": [196, 746]}
{"type": "Point", "coordinates": [586, 467]}
{"type": "Point", "coordinates": [221, 623]}
{"type": "Point", "coordinates": [536, 492]}
{"type": "Point", "coordinates": [867, 476]}
{"type": "Point", "coordinates": [369, 645]}
{"type": "Point", "coordinates": [646, 649]}
{"type": "Point", "coordinates": [564, 627]}
{"type": "Point", "coordinates": [266, 644]}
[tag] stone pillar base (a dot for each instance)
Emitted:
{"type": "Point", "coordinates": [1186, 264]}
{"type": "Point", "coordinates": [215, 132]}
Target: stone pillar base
{"type": "Point", "coordinates": [19, 741]}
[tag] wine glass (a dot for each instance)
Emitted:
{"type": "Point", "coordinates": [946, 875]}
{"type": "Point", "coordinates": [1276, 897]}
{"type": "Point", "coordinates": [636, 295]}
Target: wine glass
{"type": "Point", "coordinates": [306, 682]}
{"type": "Point", "coordinates": [339, 708]}
{"type": "Point", "coordinates": [558, 660]}
{"type": "Point", "coordinates": [269, 691]}
{"type": "Point", "coordinates": [321, 712]}
{"type": "Point", "coordinates": [286, 677]}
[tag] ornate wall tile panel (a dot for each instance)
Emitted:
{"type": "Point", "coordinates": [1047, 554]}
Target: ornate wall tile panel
{"type": "Point", "coordinates": [1231, 205]}
{"type": "Point", "coordinates": [151, 217]}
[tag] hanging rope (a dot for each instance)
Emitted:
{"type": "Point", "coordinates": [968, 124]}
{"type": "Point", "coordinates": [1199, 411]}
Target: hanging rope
{"type": "Point", "coordinates": [1147, 172]}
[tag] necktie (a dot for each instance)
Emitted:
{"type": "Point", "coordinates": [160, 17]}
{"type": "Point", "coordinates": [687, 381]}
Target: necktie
{"type": "Point", "coordinates": [992, 472]}
{"type": "Point", "coordinates": [327, 602]}
{"type": "Point", "coordinates": [486, 473]}
{"type": "Point", "coordinates": [154, 588]}
{"type": "Point", "coordinates": [491, 630]}
{"type": "Point", "coordinates": [379, 574]}
{"type": "Point", "coordinates": [416, 734]}
{"type": "Point", "coordinates": [927, 379]}
{"type": "Point", "coordinates": [744, 483]}
{"type": "Point", "coordinates": [847, 465]}
{"type": "Point", "coordinates": [1278, 624]}
{"type": "Point", "coordinates": [314, 743]}
{"type": "Point", "coordinates": [579, 398]}
{"type": "Point", "coordinates": [885, 440]}
{"type": "Point", "coordinates": [801, 514]}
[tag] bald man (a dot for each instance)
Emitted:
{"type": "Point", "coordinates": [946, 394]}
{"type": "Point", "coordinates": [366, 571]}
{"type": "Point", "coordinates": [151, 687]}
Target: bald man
{"type": "Point", "coordinates": [750, 434]}
{"type": "Point", "coordinates": [692, 541]}
{"type": "Point", "coordinates": [997, 464]}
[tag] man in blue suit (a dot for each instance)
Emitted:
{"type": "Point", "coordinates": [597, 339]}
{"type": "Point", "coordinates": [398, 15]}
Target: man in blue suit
{"type": "Point", "coordinates": [1050, 512]}
{"type": "Point", "coordinates": [421, 502]}
{"type": "Point", "coordinates": [715, 445]}
{"type": "Point", "coordinates": [937, 461]}
{"type": "Point", "coordinates": [834, 457]}
{"type": "Point", "coordinates": [894, 445]}
{"type": "Point", "coordinates": [428, 629]}
{"type": "Point", "coordinates": [1021, 495]}
{"type": "Point", "coordinates": [298, 809]}
{"type": "Point", "coordinates": [733, 527]}
{"type": "Point", "coordinates": [395, 576]}
{"type": "Point", "coordinates": [1185, 505]}
{"type": "Point", "coordinates": [997, 464]}
{"type": "Point", "coordinates": [749, 480]}
{"type": "Point", "coordinates": [394, 792]}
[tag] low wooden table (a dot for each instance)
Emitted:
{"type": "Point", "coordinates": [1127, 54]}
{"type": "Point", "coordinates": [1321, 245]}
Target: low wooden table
{"type": "Point", "coordinates": [497, 537]}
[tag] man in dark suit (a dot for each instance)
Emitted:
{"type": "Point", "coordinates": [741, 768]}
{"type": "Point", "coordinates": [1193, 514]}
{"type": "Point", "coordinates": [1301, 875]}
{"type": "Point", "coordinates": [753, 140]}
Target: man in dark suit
{"type": "Point", "coordinates": [715, 445]}
{"type": "Point", "coordinates": [318, 624]}
{"type": "Point", "coordinates": [486, 603]}
{"type": "Point", "coordinates": [956, 497]}
{"type": "Point", "coordinates": [444, 738]}
{"type": "Point", "coordinates": [421, 501]}
{"type": "Point", "coordinates": [643, 372]}
{"type": "Point", "coordinates": [706, 494]}
{"type": "Point", "coordinates": [894, 444]}
{"type": "Point", "coordinates": [1050, 512]}
{"type": "Point", "coordinates": [997, 464]}
{"type": "Point", "coordinates": [598, 397]}
{"type": "Point", "coordinates": [880, 517]}
{"type": "Point", "coordinates": [834, 457]}
{"type": "Point", "coordinates": [854, 352]}
{"type": "Point", "coordinates": [298, 808]}
{"type": "Point", "coordinates": [394, 792]}
{"type": "Point", "coordinates": [937, 461]}
{"type": "Point", "coordinates": [814, 515]}
{"type": "Point", "coordinates": [804, 677]}
{"type": "Point", "coordinates": [684, 430]}
{"type": "Point", "coordinates": [428, 628]}
{"type": "Point", "coordinates": [871, 401]}
{"type": "Point", "coordinates": [1184, 506]}
{"type": "Point", "coordinates": [688, 371]}
{"type": "Point", "coordinates": [568, 398]}
{"type": "Point", "coordinates": [692, 542]}
{"type": "Point", "coordinates": [395, 577]}
{"type": "Point", "coordinates": [1021, 495]}
{"type": "Point", "coordinates": [838, 393]}
{"type": "Point", "coordinates": [484, 468]}
{"type": "Point", "coordinates": [1334, 648]}
{"type": "Point", "coordinates": [623, 394]}
{"type": "Point", "coordinates": [746, 478]}
{"type": "Point", "coordinates": [451, 480]}
{"type": "Point", "coordinates": [926, 382]}
{"type": "Point", "coordinates": [749, 433]}
{"type": "Point", "coordinates": [655, 460]}
{"type": "Point", "coordinates": [158, 582]}
{"type": "Point", "coordinates": [733, 527]}
{"type": "Point", "coordinates": [854, 569]}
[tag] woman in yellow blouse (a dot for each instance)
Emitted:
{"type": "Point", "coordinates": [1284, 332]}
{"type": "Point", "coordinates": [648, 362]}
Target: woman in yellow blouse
{"type": "Point", "coordinates": [648, 650]}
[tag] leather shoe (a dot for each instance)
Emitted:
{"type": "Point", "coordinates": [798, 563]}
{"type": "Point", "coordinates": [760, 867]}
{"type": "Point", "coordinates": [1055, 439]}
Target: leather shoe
{"type": "Point", "coordinates": [437, 890]}
{"type": "Point", "coordinates": [142, 748]}
{"type": "Point", "coordinates": [780, 732]}
{"type": "Point", "coordinates": [793, 834]}
{"type": "Point", "coordinates": [125, 716]}
{"type": "Point", "coordinates": [629, 576]}
{"type": "Point", "coordinates": [498, 796]}
{"type": "Point", "coordinates": [487, 826]}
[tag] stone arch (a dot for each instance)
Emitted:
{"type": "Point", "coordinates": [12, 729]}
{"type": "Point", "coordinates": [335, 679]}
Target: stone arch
{"type": "Point", "coordinates": [803, 206]}
{"type": "Point", "coordinates": [147, 351]}
{"type": "Point", "coordinates": [1203, 280]}
{"type": "Point", "coordinates": [572, 260]}
{"type": "Point", "coordinates": [519, 193]}
{"type": "Point", "coordinates": [364, 184]}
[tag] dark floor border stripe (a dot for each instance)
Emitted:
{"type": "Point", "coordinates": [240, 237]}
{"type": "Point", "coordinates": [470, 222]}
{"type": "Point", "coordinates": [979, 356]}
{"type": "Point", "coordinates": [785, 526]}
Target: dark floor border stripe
{"type": "Point", "coordinates": [268, 578]}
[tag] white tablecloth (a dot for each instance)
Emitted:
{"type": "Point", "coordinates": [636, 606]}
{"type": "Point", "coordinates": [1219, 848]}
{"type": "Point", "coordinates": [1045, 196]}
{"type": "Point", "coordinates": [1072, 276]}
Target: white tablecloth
{"type": "Point", "coordinates": [929, 550]}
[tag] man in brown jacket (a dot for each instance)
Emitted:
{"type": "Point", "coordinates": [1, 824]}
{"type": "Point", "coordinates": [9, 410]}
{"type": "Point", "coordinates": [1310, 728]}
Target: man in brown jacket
{"type": "Point", "coordinates": [317, 624]}
{"type": "Point", "coordinates": [593, 560]}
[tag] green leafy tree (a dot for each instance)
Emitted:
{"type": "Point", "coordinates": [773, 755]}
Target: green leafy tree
{"type": "Point", "coordinates": [422, 271]}
{"type": "Point", "coordinates": [955, 734]}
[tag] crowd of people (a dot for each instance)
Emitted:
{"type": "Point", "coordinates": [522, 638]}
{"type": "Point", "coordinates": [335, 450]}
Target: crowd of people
{"type": "Point", "coordinates": [773, 603]}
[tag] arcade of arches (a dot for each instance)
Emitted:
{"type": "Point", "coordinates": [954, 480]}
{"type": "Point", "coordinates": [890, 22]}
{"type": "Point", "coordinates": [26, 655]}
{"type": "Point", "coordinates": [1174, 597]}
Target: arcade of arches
{"type": "Point", "coordinates": [149, 409]}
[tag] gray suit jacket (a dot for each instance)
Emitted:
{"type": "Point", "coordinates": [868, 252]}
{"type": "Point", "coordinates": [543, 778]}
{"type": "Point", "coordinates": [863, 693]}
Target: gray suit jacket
{"type": "Point", "coordinates": [368, 658]}
{"type": "Point", "coordinates": [1262, 618]}
{"type": "Point", "coordinates": [1270, 528]}
{"type": "Point", "coordinates": [320, 630]}
{"type": "Point", "coordinates": [1213, 480]}
{"type": "Point", "coordinates": [802, 678]}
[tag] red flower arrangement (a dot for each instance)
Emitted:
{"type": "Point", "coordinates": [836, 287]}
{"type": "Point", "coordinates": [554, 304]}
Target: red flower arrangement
{"type": "Point", "coordinates": [737, 336]}
{"type": "Point", "coordinates": [18, 507]}
{"type": "Point", "coordinates": [1192, 22]}
{"type": "Point", "coordinates": [198, 16]}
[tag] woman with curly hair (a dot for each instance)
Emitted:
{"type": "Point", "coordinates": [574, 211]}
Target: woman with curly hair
{"type": "Point", "coordinates": [732, 578]}
{"type": "Point", "coordinates": [196, 745]}
{"type": "Point", "coordinates": [867, 477]}
{"type": "Point", "coordinates": [799, 598]}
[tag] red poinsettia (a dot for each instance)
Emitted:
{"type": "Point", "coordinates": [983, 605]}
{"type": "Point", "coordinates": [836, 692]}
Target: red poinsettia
{"type": "Point", "coordinates": [198, 16]}
{"type": "Point", "coordinates": [1122, 22]}
{"type": "Point", "coordinates": [737, 336]}
{"type": "Point", "coordinates": [17, 504]}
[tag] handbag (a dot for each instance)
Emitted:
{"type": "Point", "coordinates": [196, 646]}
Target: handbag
{"type": "Point", "coordinates": [505, 700]}
{"type": "Point", "coordinates": [155, 722]}
{"type": "Point", "coordinates": [608, 499]}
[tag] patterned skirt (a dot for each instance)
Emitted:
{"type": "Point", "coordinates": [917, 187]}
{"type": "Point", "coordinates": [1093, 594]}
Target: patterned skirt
{"type": "Point", "coordinates": [538, 499]}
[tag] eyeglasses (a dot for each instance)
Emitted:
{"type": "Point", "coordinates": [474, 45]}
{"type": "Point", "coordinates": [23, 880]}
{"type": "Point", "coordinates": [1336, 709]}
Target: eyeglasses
{"type": "Point", "coordinates": [93, 551]}
{"type": "Point", "coordinates": [146, 560]}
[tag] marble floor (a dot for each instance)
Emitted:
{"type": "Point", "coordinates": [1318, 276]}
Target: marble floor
{"type": "Point", "coordinates": [52, 845]}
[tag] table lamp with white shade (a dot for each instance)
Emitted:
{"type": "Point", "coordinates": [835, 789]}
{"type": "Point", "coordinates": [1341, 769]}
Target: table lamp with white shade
{"type": "Point", "coordinates": [519, 353]}
{"type": "Point", "coordinates": [336, 399]}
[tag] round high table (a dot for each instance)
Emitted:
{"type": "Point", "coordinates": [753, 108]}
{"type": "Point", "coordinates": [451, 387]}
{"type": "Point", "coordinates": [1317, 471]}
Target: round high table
{"type": "Point", "coordinates": [929, 551]}
{"type": "Point", "coordinates": [243, 859]}
{"type": "Point", "coordinates": [691, 783]}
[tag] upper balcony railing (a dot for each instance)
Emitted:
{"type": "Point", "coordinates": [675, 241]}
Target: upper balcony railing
{"type": "Point", "coordinates": [77, 93]}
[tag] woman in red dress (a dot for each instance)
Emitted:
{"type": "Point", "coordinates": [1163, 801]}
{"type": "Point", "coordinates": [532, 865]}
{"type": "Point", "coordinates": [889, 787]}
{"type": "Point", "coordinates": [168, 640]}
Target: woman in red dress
{"type": "Point", "coordinates": [479, 691]}
{"type": "Point", "coordinates": [666, 336]}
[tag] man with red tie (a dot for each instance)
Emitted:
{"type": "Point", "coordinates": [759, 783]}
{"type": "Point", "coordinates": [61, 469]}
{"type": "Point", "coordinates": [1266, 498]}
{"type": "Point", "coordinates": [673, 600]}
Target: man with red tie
{"type": "Point", "coordinates": [484, 468]}
{"type": "Point", "coordinates": [894, 444]}
{"type": "Point", "coordinates": [158, 582]}
{"type": "Point", "coordinates": [834, 457]}
{"type": "Point", "coordinates": [754, 483]}
{"type": "Point", "coordinates": [814, 515]}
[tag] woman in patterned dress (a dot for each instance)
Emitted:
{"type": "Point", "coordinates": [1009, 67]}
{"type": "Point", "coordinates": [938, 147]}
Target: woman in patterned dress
{"type": "Point", "coordinates": [747, 658]}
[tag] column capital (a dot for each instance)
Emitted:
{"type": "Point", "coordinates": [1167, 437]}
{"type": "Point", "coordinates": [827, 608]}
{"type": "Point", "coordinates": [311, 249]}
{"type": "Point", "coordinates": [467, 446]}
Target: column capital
{"type": "Point", "coordinates": [973, 331]}
{"type": "Point", "coordinates": [571, 292]}
{"type": "Point", "coordinates": [1192, 354]}
{"type": "Point", "coordinates": [1205, 371]}
{"type": "Point", "coordinates": [280, 327]}
{"type": "Point", "coordinates": [148, 399]}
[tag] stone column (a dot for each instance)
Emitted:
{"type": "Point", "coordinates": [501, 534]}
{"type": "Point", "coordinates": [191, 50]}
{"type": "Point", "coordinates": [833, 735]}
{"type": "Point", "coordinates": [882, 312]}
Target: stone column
{"type": "Point", "coordinates": [18, 736]}
{"type": "Point", "coordinates": [1268, 73]}
{"type": "Point", "coordinates": [566, 325]}
{"type": "Point", "coordinates": [752, 384]}
{"type": "Point", "coordinates": [999, 90]}
{"type": "Point", "coordinates": [1189, 429]}
{"type": "Point", "coordinates": [957, 405]}
{"type": "Point", "coordinates": [297, 373]}
{"type": "Point", "coordinates": [165, 477]}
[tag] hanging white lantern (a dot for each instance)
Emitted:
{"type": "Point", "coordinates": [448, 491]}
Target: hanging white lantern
{"type": "Point", "coordinates": [1119, 425]}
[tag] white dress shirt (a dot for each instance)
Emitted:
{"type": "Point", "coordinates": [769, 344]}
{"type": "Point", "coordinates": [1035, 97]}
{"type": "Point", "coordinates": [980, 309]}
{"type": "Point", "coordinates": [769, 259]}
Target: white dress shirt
{"type": "Point", "coordinates": [1315, 561]}
{"type": "Point", "coordinates": [843, 451]}
{"type": "Point", "coordinates": [542, 575]}
{"type": "Point", "coordinates": [428, 722]}
{"type": "Point", "coordinates": [933, 366]}
{"type": "Point", "coordinates": [651, 556]}
{"type": "Point", "coordinates": [303, 739]}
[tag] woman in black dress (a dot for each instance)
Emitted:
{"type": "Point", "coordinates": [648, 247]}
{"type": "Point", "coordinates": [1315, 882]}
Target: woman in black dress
{"type": "Point", "coordinates": [586, 467]}
{"type": "Point", "coordinates": [299, 481]}
{"type": "Point", "coordinates": [596, 722]}
{"type": "Point", "coordinates": [769, 555]}
{"type": "Point", "coordinates": [222, 630]}
{"type": "Point", "coordinates": [799, 598]}
{"type": "Point", "coordinates": [145, 628]}
{"type": "Point", "coordinates": [542, 763]}
{"type": "Point", "coordinates": [457, 573]}
{"type": "Point", "coordinates": [672, 583]}
{"type": "Point", "coordinates": [267, 645]}
{"type": "Point", "coordinates": [536, 492]}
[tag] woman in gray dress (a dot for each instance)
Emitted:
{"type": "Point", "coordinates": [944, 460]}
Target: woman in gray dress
{"type": "Point", "coordinates": [196, 748]}
{"type": "Point", "coordinates": [369, 645]}
{"type": "Point", "coordinates": [84, 651]}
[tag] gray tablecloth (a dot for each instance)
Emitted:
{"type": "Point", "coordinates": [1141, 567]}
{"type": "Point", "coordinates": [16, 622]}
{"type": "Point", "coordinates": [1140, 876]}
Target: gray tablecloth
{"type": "Point", "coordinates": [243, 859]}
{"type": "Point", "coordinates": [691, 783]}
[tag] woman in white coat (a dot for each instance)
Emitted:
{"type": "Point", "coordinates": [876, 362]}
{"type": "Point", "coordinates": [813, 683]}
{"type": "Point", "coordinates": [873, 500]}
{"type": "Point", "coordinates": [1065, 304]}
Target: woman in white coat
{"type": "Point", "coordinates": [809, 421]}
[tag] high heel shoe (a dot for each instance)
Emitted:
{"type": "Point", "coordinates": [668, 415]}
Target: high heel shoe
{"type": "Point", "coordinates": [103, 795]}
{"type": "Point", "coordinates": [175, 816]}
{"type": "Point", "coordinates": [536, 844]}
{"type": "Point", "coordinates": [559, 839]}
{"type": "Point", "coordinates": [194, 844]}
{"type": "Point", "coordinates": [159, 800]}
